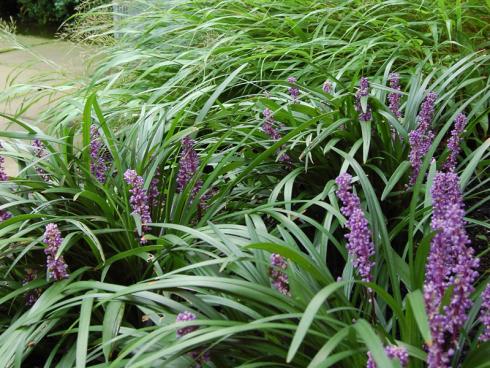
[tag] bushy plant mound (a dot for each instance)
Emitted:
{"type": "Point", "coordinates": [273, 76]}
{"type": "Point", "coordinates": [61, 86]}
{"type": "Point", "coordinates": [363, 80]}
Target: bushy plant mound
{"type": "Point", "coordinates": [321, 205]}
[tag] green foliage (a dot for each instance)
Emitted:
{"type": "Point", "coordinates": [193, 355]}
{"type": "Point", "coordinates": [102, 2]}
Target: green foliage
{"type": "Point", "coordinates": [118, 307]}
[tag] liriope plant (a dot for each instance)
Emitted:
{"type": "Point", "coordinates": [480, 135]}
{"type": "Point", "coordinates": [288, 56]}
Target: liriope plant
{"type": "Point", "coordinates": [264, 256]}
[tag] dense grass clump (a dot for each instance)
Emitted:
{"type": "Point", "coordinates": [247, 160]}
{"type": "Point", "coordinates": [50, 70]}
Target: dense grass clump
{"type": "Point", "coordinates": [257, 184]}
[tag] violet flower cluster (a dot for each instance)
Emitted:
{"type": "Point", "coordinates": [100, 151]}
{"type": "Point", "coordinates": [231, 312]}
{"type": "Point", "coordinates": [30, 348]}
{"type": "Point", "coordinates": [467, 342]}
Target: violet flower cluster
{"type": "Point", "coordinates": [359, 245]}
{"type": "Point", "coordinates": [4, 215]}
{"type": "Point", "coordinates": [394, 97]}
{"type": "Point", "coordinates": [268, 127]}
{"type": "Point", "coordinates": [40, 152]}
{"type": "Point", "coordinates": [363, 92]}
{"type": "Point", "coordinates": [199, 357]}
{"type": "Point", "coordinates": [327, 86]}
{"type": "Point", "coordinates": [185, 317]}
{"type": "Point", "coordinates": [139, 200]}
{"type": "Point", "coordinates": [3, 174]}
{"type": "Point", "coordinates": [189, 163]}
{"type": "Point", "coordinates": [278, 275]}
{"type": "Point", "coordinates": [33, 295]}
{"type": "Point", "coordinates": [153, 191]}
{"type": "Point", "coordinates": [451, 264]}
{"type": "Point", "coordinates": [393, 352]}
{"type": "Point", "coordinates": [98, 164]}
{"type": "Point", "coordinates": [57, 268]}
{"type": "Point", "coordinates": [420, 139]}
{"type": "Point", "coordinates": [293, 90]}
{"type": "Point", "coordinates": [454, 141]}
{"type": "Point", "coordinates": [485, 314]}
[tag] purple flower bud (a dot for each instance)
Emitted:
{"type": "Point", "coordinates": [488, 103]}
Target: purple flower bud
{"type": "Point", "coordinates": [189, 163]}
{"type": "Point", "coordinates": [154, 192]}
{"type": "Point", "coordinates": [279, 278]}
{"type": "Point", "coordinates": [451, 264]}
{"type": "Point", "coordinates": [4, 215]}
{"type": "Point", "coordinates": [3, 174]}
{"type": "Point", "coordinates": [269, 129]}
{"type": "Point", "coordinates": [393, 352]}
{"type": "Point", "coordinates": [57, 268]}
{"type": "Point", "coordinates": [485, 314]}
{"type": "Point", "coordinates": [420, 139]}
{"type": "Point", "coordinates": [453, 142]}
{"type": "Point", "coordinates": [139, 200]}
{"type": "Point", "coordinates": [199, 356]}
{"type": "Point", "coordinates": [184, 317]}
{"type": "Point", "coordinates": [33, 295]}
{"type": "Point", "coordinates": [293, 90]}
{"type": "Point", "coordinates": [394, 97]}
{"type": "Point", "coordinates": [98, 165]}
{"type": "Point", "coordinates": [327, 87]}
{"type": "Point", "coordinates": [362, 92]}
{"type": "Point", "coordinates": [40, 152]}
{"type": "Point", "coordinates": [360, 245]}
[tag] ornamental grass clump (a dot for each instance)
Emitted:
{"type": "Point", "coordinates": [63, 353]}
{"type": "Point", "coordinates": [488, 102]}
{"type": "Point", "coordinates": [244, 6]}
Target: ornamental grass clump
{"type": "Point", "coordinates": [139, 201]}
{"type": "Point", "coordinates": [359, 244]}
{"type": "Point", "coordinates": [451, 265]}
{"type": "Point", "coordinates": [453, 143]}
{"type": "Point", "coordinates": [55, 264]}
{"type": "Point", "coordinates": [420, 139]}
{"type": "Point", "coordinates": [362, 107]}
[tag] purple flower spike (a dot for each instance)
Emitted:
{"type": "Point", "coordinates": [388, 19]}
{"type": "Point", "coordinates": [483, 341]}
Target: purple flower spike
{"type": "Point", "coordinates": [40, 152]}
{"type": "Point", "coordinates": [451, 264]}
{"type": "Point", "coordinates": [189, 163]}
{"type": "Point", "coordinates": [199, 356]}
{"type": "Point", "coordinates": [279, 278]}
{"type": "Point", "coordinates": [139, 200]}
{"type": "Point", "coordinates": [98, 165]}
{"type": "Point", "coordinates": [453, 142]}
{"type": "Point", "coordinates": [394, 97]}
{"type": "Point", "coordinates": [4, 215]}
{"type": "Point", "coordinates": [393, 352]}
{"type": "Point", "coordinates": [31, 296]}
{"type": "Point", "coordinates": [3, 174]}
{"type": "Point", "coordinates": [420, 139]}
{"type": "Point", "coordinates": [57, 268]}
{"type": "Point", "coordinates": [293, 90]}
{"type": "Point", "coordinates": [360, 245]}
{"type": "Point", "coordinates": [485, 314]}
{"type": "Point", "coordinates": [268, 127]}
{"type": "Point", "coordinates": [327, 87]}
{"type": "Point", "coordinates": [184, 317]}
{"type": "Point", "coordinates": [154, 192]}
{"type": "Point", "coordinates": [363, 91]}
